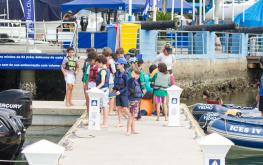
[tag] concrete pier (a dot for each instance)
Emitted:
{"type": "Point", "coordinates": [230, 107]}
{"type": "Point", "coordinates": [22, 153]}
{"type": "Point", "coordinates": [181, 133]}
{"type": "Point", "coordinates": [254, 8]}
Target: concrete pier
{"type": "Point", "coordinates": [55, 113]}
{"type": "Point", "coordinates": [154, 145]}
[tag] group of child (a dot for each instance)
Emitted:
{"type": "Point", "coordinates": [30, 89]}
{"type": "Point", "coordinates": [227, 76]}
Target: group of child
{"type": "Point", "coordinates": [122, 80]}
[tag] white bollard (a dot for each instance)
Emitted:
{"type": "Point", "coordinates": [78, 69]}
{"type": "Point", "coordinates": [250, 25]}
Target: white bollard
{"type": "Point", "coordinates": [215, 148]}
{"type": "Point", "coordinates": [174, 93]}
{"type": "Point", "coordinates": [95, 95]}
{"type": "Point", "coordinates": [43, 152]}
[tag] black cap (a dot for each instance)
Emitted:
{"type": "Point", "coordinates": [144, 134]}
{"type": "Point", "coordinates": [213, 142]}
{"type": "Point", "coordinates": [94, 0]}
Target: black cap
{"type": "Point", "coordinates": [261, 60]}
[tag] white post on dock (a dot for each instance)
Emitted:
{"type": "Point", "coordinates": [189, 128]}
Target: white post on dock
{"type": "Point", "coordinates": [174, 93]}
{"type": "Point", "coordinates": [94, 108]}
{"type": "Point", "coordinates": [43, 152]}
{"type": "Point", "coordinates": [215, 147]}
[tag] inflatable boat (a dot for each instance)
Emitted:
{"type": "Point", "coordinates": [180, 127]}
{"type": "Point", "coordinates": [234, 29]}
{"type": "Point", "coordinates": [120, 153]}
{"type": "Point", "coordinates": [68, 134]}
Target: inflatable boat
{"type": "Point", "coordinates": [15, 117]}
{"type": "Point", "coordinates": [199, 109]}
{"type": "Point", "coordinates": [243, 131]}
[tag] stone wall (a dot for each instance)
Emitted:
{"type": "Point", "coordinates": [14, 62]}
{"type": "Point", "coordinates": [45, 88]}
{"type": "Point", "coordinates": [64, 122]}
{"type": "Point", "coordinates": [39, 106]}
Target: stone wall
{"type": "Point", "coordinates": [221, 76]}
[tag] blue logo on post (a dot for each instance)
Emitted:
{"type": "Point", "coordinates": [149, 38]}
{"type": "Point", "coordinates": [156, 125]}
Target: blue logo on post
{"type": "Point", "coordinates": [214, 161]}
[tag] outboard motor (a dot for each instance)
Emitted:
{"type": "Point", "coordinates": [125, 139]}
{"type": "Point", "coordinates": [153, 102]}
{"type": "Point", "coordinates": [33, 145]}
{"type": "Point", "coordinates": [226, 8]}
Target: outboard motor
{"type": "Point", "coordinates": [83, 23]}
{"type": "Point", "coordinates": [20, 101]}
{"type": "Point", "coordinates": [12, 134]}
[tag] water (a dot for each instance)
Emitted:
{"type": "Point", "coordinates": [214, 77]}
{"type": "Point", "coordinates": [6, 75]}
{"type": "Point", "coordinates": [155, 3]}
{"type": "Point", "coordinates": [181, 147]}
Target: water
{"type": "Point", "coordinates": [36, 133]}
{"type": "Point", "coordinates": [238, 156]}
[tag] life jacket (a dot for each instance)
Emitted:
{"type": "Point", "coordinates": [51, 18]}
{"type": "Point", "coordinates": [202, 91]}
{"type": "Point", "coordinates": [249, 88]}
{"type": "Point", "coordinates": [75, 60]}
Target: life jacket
{"type": "Point", "coordinates": [162, 81]}
{"type": "Point", "coordinates": [93, 73]}
{"type": "Point", "coordinates": [71, 64]}
{"type": "Point", "coordinates": [107, 78]}
{"type": "Point", "coordinates": [135, 90]}
{"type": "Point", "coordinates": [119, 81]}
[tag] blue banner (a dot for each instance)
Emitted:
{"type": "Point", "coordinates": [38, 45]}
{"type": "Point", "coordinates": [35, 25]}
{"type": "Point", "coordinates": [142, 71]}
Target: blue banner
{"type": "Point", "coordinates": [31, 61]}
{"type": "Point", "coordinates": [29, 10]}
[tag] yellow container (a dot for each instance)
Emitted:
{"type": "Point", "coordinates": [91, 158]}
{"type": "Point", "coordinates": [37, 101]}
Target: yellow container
{"type": "Point", "coordinates": [129, 36]}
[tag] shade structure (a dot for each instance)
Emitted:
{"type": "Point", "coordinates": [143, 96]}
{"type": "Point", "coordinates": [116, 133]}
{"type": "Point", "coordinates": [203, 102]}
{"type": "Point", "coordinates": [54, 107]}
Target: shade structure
{"type": "Point", "coordinates": [101, 4]}
{"type": "Point", "coordinates": [253, 16]}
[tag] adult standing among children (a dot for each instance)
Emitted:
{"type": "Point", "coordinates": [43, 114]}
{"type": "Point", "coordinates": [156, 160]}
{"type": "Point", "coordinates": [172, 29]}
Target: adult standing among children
{"type": "Point", "coordinates": [169, 59]}
{"type": "Point", "coordinates": [70, 68]}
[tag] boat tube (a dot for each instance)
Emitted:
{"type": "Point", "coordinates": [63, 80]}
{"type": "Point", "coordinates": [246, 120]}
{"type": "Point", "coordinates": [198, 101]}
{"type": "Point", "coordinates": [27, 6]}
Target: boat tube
{"type": "Point", "coordinates": [199, 109]}
{"type": "Point", "coordinates": [243, 131]}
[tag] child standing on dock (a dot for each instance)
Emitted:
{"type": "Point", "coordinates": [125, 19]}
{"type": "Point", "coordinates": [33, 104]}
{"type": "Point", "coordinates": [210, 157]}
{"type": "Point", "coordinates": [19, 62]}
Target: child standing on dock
{"type": "Point", "coordinates": [135, 95]}
{"type": "Point", "coordinates": [161, 83]}
{"type": "Point", "coordinates": [70, 68]}
{"type": "Point", "coordinates": [102, 82]}
{"type": "Point", "coordinates": [121, 89]}
{"type": "Point", "coordinates": [107, 52]}
{"type": "Point", "coordinates": [90, 72]}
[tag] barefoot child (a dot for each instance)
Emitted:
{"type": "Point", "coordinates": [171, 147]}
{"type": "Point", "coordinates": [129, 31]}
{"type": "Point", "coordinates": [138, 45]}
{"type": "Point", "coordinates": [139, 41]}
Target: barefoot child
{"type": "Point", "coordinates": [70, 68]}
{"type": "Point", "coordinates": [161, 82]}
{"type": "Point", "coordinates": [135, 95]}
{"type": "Point", "coordinates": [102, 82]}
{"type": "Point", "coordinates": [121, 89]}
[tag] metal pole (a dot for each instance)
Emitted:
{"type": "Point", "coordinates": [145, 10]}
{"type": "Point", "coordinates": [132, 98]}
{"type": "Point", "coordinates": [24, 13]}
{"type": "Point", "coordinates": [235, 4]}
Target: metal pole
{"type": "Point", "coordinates": [200, 12]}
{"type": "Point", "coordinates": [130, 7]}
{"type": "Point", "coordinates": [22, 7]}
{"type": "Point", "coordinates": [204, 10]}
{"type": "Point", "coordinates": [154, 10]}
{"type": "Point", "coordinates": [182, 10]}
{"type": "Point", "coordinates": [213, 9]}
{"type": "Point", "coordinates": [193, 10]}
{"type": "Point", "coordinates": [7, 8]}
{"type": "Point", "coordinates": [233, 12]}
{"type": "Point", "coordinates": [172, 15]}
{"type": "Point", "coordinates": [223, 10]}
{"type": "Point", "coordinates": [243, 11]}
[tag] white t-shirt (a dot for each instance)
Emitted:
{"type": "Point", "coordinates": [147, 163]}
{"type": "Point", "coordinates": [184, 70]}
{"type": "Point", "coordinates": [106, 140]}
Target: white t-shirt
{"type": "Point", "coordinates": [113, 69]}
{"type": "Point", "coordinates": [168, 60]}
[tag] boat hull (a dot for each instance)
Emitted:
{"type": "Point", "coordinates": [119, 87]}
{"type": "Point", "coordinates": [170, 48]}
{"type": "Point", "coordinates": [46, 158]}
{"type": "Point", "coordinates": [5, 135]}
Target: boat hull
{"type": "Point", "coordinates": [245, 132]}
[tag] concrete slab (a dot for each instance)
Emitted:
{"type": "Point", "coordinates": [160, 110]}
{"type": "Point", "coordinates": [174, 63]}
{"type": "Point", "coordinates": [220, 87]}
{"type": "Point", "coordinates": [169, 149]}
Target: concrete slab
{"type": "Point", "coordinates": [55, 113]}
{"type": "Point", "coordinates": [58, 107]}
{"type": "Point", "coordinates": [156, 144]}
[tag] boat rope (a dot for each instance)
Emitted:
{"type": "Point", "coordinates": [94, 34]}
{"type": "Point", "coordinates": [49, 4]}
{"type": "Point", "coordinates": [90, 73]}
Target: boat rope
{"type": "Point", "coordinates": [225, 127]}
{"type": "Point", "coordinates": [14, 161]}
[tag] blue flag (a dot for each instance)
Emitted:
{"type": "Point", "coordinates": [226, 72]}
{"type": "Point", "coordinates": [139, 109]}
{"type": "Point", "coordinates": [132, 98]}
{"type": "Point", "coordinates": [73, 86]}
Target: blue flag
{"type": "Point", "coordinates": [29, 12]}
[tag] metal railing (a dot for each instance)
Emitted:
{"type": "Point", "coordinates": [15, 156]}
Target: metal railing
{"type": "Point", "coordinates": [183, 42]}
{"type": "Point", "coordinates": [228, 43]}
{"type": "Point", "coordinates": [48, 37]}
{"type": "Point", "coordinates": [255, 45]}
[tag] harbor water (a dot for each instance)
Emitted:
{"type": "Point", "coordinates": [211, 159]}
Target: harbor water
{"type": "Point", "coordinates": [36, 133]}
{"type": "Point", "coordinates": [238, 156]}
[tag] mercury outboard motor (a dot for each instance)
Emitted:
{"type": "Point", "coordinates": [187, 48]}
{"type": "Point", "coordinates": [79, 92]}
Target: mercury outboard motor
{"type": "Point", "coordinates": [83, 23]}
{"type": "Point", "coordinates": [20, 101]}
{"type": "Point", "coordinates": [12, 134]}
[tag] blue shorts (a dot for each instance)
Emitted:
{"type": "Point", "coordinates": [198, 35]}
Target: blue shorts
{"type": "Point", "coordinates": [122, 101]}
